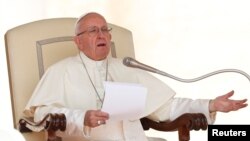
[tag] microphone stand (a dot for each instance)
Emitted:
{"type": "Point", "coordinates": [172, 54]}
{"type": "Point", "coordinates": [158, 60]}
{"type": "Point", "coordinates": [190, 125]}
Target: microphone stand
{"type": "Point", "coordinates": [130, 62]}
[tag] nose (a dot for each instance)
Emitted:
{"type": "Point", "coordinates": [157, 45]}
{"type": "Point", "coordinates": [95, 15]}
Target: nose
{"type": "Point", "coordinates": [100, 33]}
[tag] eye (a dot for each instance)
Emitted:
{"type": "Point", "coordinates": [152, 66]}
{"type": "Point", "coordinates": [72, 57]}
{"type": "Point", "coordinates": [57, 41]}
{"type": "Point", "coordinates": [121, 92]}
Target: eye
{"type": "Point", "coordinates": [104, 29]}
{"type": "Point", "coordinates": [93, 30]}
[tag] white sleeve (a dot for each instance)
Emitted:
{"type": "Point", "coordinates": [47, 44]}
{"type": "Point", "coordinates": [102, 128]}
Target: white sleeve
{"type": "Point", "coordinates": [178, 106]}
{"type": "Point", "coordinates": [74, 118]}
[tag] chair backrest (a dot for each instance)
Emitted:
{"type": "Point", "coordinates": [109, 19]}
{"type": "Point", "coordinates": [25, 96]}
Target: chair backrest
{"type": "Point", "coordinates": [31, 48]}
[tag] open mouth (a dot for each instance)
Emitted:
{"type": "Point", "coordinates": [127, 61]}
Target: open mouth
{"type": "Point", "coordinates": [101, 45]}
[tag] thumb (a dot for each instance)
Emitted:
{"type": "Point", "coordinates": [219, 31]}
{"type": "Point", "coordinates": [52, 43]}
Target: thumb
{"type": "Point", "coordinates": [226, 96]}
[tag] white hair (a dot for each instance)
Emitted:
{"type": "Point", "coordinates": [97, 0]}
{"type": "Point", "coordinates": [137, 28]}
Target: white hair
{"type": "Point", "coordinates": [81, 18]}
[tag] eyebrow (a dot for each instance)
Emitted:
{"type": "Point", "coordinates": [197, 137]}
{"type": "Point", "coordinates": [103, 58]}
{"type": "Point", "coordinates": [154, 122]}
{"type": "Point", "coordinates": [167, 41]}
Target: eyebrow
{"type": "Point", "coordinates": [80, 33]}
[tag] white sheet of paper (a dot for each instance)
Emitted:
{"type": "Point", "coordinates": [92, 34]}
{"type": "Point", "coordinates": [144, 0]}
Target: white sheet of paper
{"type": "Point", "coordinates": [124, 100]}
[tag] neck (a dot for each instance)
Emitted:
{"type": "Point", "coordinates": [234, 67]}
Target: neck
{"type": "Point", "coordinates": [95, 58]}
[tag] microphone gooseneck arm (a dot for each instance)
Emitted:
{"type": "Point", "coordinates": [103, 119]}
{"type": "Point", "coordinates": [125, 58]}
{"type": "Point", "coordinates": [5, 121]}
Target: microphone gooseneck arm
{"type": "Point", "coordinates": [130, 62]}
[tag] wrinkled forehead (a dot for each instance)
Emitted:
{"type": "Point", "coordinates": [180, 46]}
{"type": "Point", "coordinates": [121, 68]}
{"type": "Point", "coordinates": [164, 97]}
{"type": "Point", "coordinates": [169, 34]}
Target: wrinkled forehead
{"type": "Point", "coordinates": [90, 19]}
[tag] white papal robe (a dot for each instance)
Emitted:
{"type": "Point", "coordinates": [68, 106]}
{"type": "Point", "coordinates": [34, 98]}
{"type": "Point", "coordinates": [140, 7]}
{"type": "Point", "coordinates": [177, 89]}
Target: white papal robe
{"type": "Point", "coordinates": [66, 88]}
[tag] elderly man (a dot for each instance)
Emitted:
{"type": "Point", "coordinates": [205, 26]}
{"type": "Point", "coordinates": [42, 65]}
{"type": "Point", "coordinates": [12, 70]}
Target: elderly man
{"type": "Point", "coordinates": [74, 87]}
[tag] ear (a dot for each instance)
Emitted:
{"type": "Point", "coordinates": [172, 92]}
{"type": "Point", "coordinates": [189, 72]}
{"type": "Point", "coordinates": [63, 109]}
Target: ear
{"type": "Point", "coordinates": [77, 41]}
{"type": "Point", "coordinates": [110, 36]}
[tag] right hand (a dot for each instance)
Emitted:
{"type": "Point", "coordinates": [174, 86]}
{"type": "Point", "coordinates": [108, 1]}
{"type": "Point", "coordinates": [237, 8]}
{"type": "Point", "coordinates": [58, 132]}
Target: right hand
{"type": "Point", "coordinates": [94, 118]}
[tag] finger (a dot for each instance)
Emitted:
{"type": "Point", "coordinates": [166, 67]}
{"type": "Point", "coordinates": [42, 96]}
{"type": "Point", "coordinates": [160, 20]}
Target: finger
{"type": "Point", "coordinates": [237, 107]}
{"type": "Point", "coordinates": [239, 104]}
{"type": "Point", "coordinates": [241, 101]}
{"type": "Point", "coordinates": [91, 118]}
{"type": "Point", "coordinates": [100, 122]}
{"type": "Point", "coordinates": [91, 122]}
{"type": "Point", "coordinates": [226, 96]}
{"type": "Point", "coordinates": [102, 114]}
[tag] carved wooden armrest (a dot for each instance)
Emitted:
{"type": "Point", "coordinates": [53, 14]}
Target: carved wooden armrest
{"type": "Point", "coordinates": [51, 123]}
{"type": "Point", "coordinates": [183, 124]}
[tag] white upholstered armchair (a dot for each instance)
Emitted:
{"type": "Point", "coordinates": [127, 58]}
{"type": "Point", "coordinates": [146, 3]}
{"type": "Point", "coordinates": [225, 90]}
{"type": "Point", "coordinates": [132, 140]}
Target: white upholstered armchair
{"type": "Point", "coordinates": [31, 48]}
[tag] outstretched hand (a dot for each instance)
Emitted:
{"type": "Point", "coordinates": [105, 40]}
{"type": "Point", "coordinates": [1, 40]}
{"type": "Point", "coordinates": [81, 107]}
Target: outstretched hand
{"type": "Point", "coordinates": [224, 104]}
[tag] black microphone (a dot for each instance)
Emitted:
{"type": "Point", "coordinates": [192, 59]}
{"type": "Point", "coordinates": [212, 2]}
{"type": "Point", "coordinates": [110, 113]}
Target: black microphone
{"type": "Point", "coordinates": [130, 62]}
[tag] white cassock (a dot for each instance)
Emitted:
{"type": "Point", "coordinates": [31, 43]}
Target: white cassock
{"type": "Point", "coordinates": [66, 88]}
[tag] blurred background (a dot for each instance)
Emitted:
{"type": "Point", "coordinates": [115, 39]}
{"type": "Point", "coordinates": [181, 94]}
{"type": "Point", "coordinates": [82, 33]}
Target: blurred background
{"type": "Point", "coordinates": [184, 38]}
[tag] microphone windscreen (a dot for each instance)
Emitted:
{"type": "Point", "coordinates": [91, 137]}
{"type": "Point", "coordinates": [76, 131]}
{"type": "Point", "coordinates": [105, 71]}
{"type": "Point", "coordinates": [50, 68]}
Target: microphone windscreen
{"type": "Point", "coordinates": [127, 61]}
{"type": "Point", "coordinates": [130, 62]}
